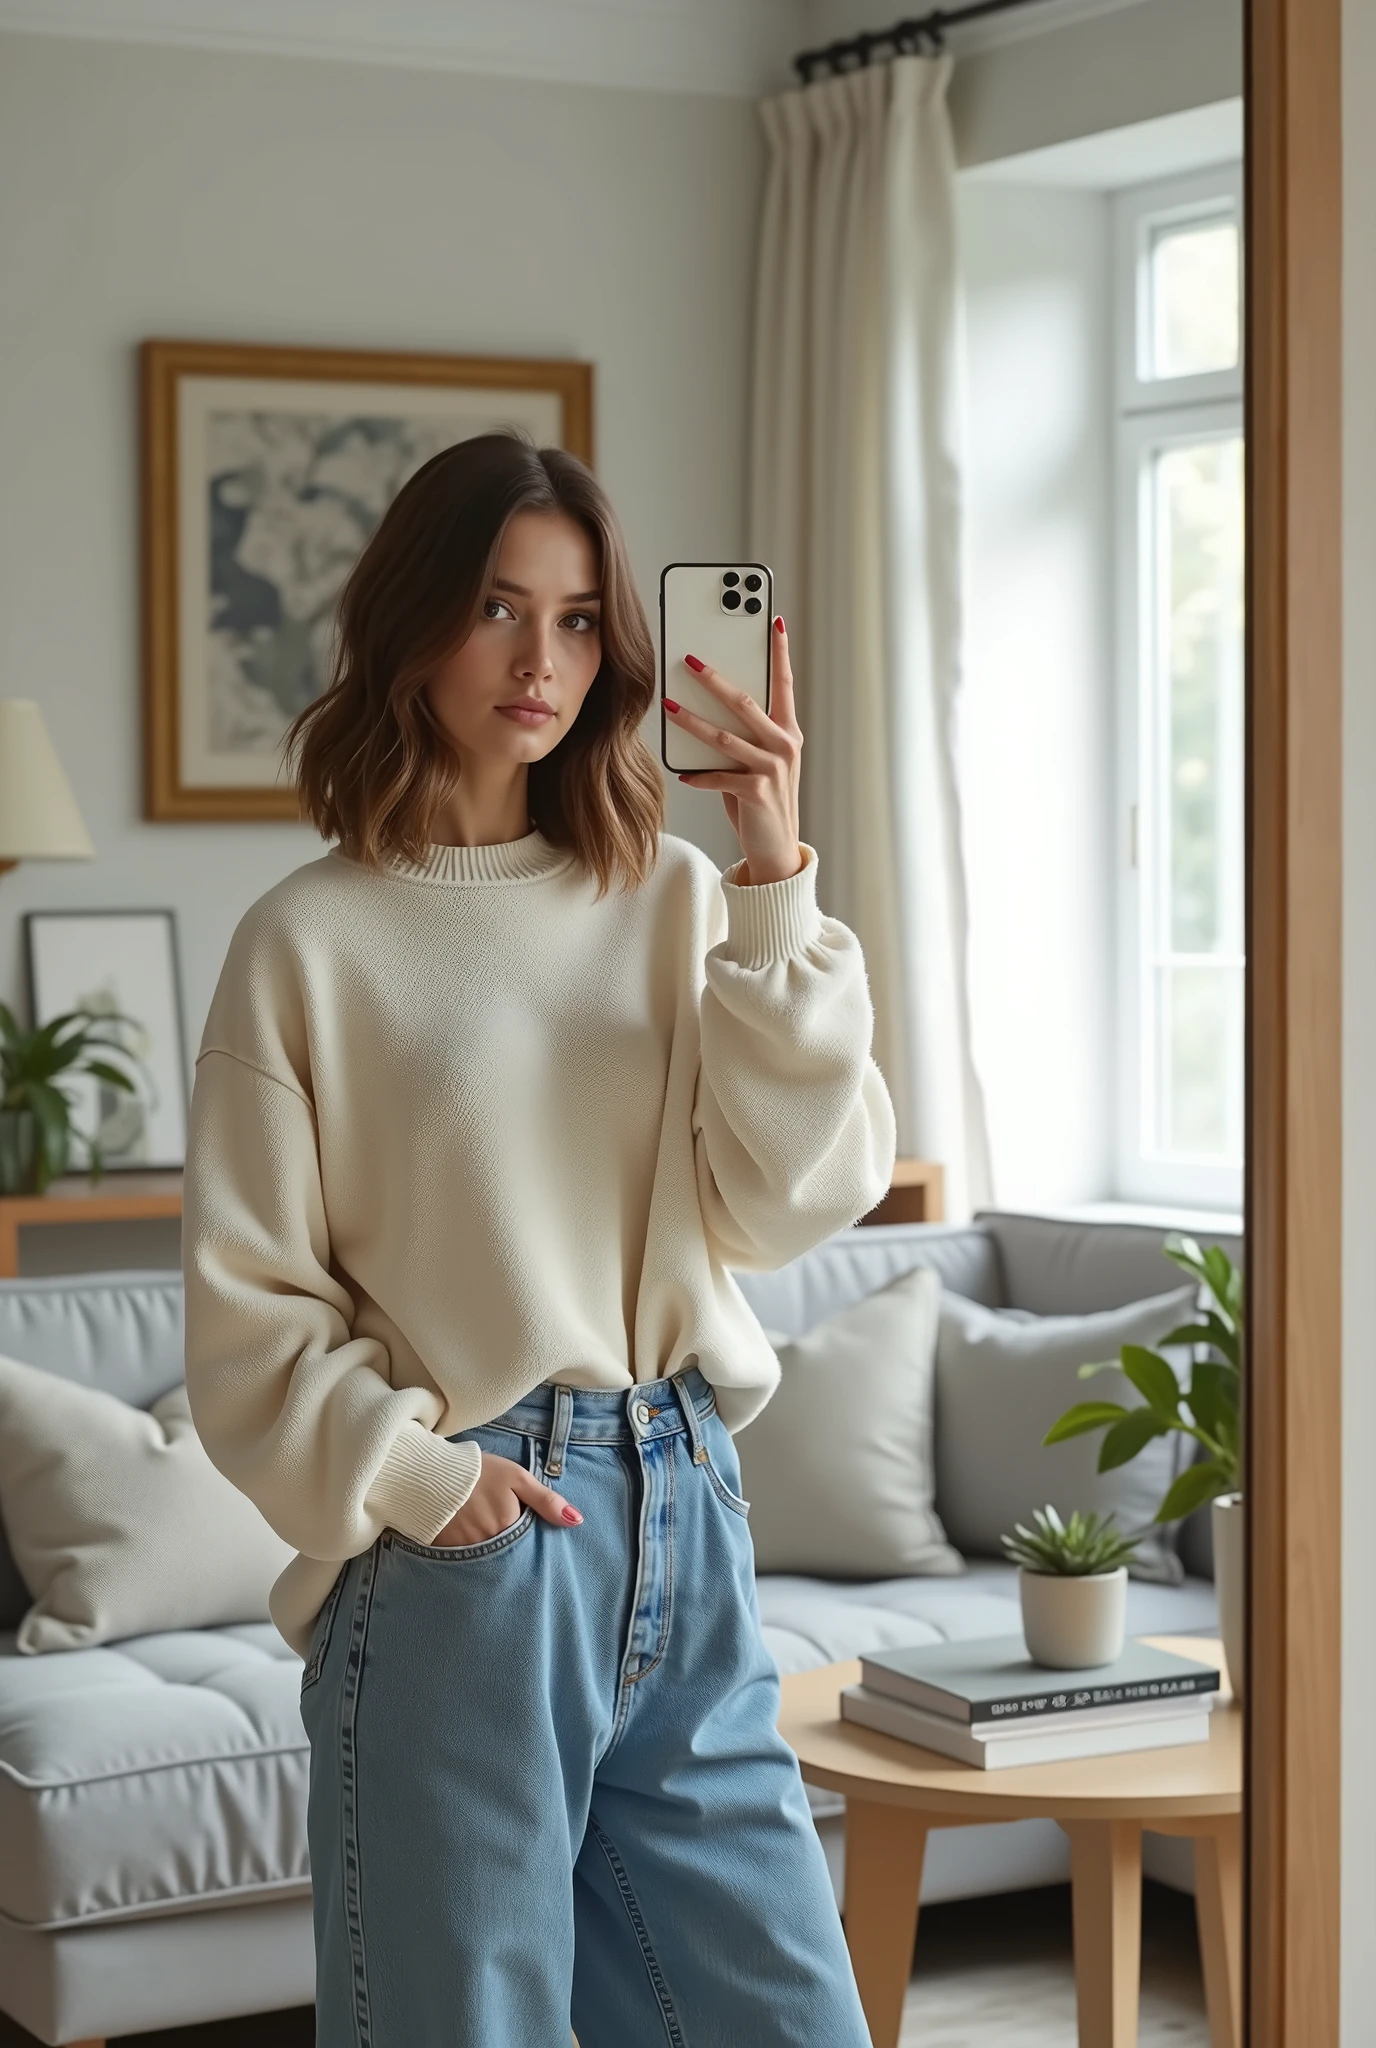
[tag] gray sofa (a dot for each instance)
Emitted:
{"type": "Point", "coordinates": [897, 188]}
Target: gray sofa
{"type": "Point", "coordinates": [153, 1861]}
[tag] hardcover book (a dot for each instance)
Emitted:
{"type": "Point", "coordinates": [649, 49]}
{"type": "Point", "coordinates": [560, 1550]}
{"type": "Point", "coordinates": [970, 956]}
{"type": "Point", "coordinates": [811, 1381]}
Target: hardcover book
{"type": "Point", "coordinates": [994, 1679]}
{"type": "Point", "coordinates": [1005, 1745]}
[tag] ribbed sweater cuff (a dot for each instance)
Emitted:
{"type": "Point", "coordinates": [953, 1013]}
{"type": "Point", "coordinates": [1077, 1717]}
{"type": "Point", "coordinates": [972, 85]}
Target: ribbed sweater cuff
{"type": "Point", "coordinates": [422, 1481]}
{"type": "Point", "coordinates": [767, 921]}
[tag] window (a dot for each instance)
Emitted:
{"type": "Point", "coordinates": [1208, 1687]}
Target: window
{"type": "Point", "coordinates": [1180, 598]}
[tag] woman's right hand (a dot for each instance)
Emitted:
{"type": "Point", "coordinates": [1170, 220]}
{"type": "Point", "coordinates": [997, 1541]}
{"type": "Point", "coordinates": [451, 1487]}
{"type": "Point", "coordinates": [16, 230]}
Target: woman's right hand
{"type": "Point", "coordinates": [503, 1488]}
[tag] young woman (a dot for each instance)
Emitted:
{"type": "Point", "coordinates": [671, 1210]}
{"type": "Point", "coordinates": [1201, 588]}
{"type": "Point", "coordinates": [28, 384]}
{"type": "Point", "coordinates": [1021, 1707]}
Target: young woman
{"type": "Point", "coordinates": [476, 1138]}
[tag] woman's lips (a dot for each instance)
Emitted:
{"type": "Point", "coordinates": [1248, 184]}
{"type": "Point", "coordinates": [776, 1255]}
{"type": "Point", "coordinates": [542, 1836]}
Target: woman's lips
{"type": "Point", "coordinates": [525, 714]}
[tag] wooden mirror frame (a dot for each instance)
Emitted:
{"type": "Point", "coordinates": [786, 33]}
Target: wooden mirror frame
{"type": "Point", "coordinates": [1292, 1803]}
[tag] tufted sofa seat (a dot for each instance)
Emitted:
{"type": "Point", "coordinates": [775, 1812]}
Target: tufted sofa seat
{"type": "Point", "coordinates": [144, 1775]}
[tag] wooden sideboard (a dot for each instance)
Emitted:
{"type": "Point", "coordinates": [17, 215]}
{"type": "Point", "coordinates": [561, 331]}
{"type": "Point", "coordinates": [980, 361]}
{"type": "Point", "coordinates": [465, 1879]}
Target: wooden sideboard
{"type": "Point", "coordinates": [115, 1198]}
{"type": "Point", "coordinates": [916, 1195]}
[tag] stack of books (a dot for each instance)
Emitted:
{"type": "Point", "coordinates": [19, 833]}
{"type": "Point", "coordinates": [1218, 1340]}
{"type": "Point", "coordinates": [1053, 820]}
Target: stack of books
{"type": "Point", "coordinates": [986, 1703]}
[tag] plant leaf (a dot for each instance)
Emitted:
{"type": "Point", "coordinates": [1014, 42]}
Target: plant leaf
{"type": "Point", "coordinates": [1083, 1417]}
{"type": "Point", "coordinates": [1214, 1397]}
{"type": "Point", "coordinates": [1195, 1485]}
{"type": "Point", "coordinates": [1128, 1437]}
{"type": "Point", "coordinates": [1153, 1379]}
{"type": "Point", "coordinates": [110, 1074]}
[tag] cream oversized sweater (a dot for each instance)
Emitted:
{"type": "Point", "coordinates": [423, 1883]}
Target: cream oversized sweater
{"type": "Point", "coordinates": [458, 1129]}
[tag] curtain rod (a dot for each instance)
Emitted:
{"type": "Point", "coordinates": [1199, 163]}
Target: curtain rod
{"type": "Point", "coordinates": [904, 38]}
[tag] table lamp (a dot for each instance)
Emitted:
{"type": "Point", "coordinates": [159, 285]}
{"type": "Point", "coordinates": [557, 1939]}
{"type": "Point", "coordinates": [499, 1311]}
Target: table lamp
{"type": "Point", "coordinates": [39, 818]}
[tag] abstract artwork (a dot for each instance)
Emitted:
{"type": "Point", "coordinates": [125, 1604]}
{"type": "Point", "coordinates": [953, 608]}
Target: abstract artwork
{"type": "Point", "coordinates": [266, 472]}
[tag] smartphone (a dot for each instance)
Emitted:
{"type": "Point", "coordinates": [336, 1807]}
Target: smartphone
{"type": "Point", "coordinates": [723, 612]}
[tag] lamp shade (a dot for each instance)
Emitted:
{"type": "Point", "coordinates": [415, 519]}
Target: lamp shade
{"type": "Point", "coordinates": [39, 818]}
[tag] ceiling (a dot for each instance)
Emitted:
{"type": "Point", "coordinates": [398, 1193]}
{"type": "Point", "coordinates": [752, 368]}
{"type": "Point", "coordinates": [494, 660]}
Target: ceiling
{"type": "Point", "coordinates": [1194, 140]}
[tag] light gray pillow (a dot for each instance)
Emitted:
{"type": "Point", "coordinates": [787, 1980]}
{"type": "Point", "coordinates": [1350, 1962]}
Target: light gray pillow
{"type": "Point", "coordinates": [119, 1523]}
{"type": "Point", "coordinates": [1002, 1379]}
{"type": "Point", "coordinates": [838, 1466]}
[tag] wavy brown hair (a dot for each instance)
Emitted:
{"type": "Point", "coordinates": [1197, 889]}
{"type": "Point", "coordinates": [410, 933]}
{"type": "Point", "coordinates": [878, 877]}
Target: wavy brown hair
{"type": "Point", "coordinates": [375, 765]}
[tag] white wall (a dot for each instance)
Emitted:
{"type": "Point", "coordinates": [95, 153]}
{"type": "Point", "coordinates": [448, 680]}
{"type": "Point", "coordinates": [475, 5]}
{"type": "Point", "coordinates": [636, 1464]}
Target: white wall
{"type": "Point", "coordinates": [1037, 724]}
{"type": "Point", "coordinates": [148, 191]}
{"type": "Point", "coordinates": [1359, 1027]}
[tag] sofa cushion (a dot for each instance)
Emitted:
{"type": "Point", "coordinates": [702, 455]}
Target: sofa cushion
{"type": "Point", "coordinates": [122, 1331]}
{"type": "Point", "coordinates": [1058, 1267]}
{"type": "Point", "coordinates": [862, 1259]}
{"type": "Point", "coordinates": [1001, 1381]}
{"type": "Point", "coordinates": [169, 1771]}
{"type": "Point", "coordinates": [117, 1519]}
{"type": "Point", "coordinates": [838, 1466]}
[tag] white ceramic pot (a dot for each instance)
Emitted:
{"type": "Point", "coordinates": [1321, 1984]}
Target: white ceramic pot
{"type": "Point", "coordinates": [1073, 1622]}
{"type": "Point", "coordinates": [1230, 1583]}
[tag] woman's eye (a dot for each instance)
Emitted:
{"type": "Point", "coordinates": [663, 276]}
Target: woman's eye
{"type": "Point", "coordinates": [583, 622]}
{"type": "Point", "coordinates": [493, 608]}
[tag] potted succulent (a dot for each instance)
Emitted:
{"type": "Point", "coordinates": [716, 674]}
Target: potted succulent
{"type": "Point", "coordinates": [1073, 1585]}
{"type": "Point", "coordinates": [36, 1129]}
{"type": "Point", "coordinates": [1208, 1411]}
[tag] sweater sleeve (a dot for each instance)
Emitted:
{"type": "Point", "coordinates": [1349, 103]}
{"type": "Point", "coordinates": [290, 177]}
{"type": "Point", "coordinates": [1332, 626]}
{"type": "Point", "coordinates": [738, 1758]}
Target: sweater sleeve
{"type": "Point", "coordinates": [793, 1127]}
{"type": "Point", "coordinates": [298, 1413]}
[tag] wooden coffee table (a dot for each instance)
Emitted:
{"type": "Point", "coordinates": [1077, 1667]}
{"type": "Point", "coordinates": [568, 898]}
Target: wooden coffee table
{"type": "Point", "coordinates": [895, 1792]}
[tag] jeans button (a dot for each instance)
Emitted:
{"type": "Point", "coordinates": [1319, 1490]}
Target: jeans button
{"type": "Point", "coordinates": [643, 1412]}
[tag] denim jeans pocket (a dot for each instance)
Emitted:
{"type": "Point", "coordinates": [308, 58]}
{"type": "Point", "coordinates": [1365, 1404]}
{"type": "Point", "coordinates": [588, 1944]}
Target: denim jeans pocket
{"type": "Point", "coordinates": [723, 1467]}
{"type": "Point", "coordinates": [500, 1443]}
{"type": "Point", "coordinates": [321, 1633]}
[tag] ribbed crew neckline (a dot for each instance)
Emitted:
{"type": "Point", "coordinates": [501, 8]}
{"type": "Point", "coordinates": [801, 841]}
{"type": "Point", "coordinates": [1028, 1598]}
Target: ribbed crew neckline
{"type": "Point", "coordinates": [510, 860]}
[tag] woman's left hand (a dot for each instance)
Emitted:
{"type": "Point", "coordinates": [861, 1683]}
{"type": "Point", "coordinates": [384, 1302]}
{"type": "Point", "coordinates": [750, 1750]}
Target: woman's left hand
{"type": "Point", "coordinates": [761, 796]}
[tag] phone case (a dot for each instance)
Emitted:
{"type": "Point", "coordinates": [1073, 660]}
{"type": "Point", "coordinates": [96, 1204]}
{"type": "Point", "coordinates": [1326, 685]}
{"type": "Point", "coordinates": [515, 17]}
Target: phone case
{"type": "Point", "coordinates": [695, 618]}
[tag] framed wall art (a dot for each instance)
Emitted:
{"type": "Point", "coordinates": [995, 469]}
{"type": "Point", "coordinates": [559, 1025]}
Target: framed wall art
{"type": "Point", "coordinates": [107, 961]}
{"type": "Point", "coordinates": [265, 470]}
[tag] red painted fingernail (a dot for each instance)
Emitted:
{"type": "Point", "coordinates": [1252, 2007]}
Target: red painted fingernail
{"type": "Point", "coordinates": [779, 623]}
{"type": "Point", "coordinates": [694, 664]}
{"type": "Point", "coordinates": [669, 704]}
{"type": "Point", "coordinates": [570, 1514]}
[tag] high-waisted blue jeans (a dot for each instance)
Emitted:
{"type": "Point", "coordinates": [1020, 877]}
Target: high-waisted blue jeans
{"type": "Point", "coordinates": [547, 1787]}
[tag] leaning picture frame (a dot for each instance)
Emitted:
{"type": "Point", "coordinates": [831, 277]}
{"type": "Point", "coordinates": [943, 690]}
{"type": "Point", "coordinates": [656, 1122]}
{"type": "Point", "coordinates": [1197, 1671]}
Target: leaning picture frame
{"type": "Point", "coordinates": [264, 472]}
{"type": "Point", "coordinates": [125, 961]}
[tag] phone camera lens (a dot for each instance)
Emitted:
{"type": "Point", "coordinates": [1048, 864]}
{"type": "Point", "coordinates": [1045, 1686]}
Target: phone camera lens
{"type": "Point", "coordinates": [730, 579]}
{"type": "Point", "coordinates": [752, 604]}
{"type": "Point", "coordinates": [754, 583]}
{"type": "Point", "coordinates": [731, 600]}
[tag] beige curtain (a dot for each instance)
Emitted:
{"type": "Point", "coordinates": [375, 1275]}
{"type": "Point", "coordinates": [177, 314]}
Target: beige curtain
{"type": "Point", "coordinates": [856, 504]}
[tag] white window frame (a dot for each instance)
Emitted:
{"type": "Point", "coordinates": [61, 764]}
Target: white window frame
{"type": "Point", "coordinates": [1152, 414]}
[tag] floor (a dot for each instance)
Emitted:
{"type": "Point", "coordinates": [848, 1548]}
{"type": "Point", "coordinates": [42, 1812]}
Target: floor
{"type": "Point", "coordinates": [991, 1973]}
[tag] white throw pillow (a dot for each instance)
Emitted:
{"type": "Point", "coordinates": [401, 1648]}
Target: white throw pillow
{"type": "Point", "coordinates": [838, 1466]}
{"type": "Point", "coordinates": [119, 1523]}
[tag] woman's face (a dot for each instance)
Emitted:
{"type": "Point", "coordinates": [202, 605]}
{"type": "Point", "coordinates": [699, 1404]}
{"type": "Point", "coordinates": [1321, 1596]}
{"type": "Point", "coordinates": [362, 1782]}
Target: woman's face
{"type": "Point", "coordinates": [537, 641]}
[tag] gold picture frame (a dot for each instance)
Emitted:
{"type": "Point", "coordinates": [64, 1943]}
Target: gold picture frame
{"type": "Point", "coordinates": [261, 470]}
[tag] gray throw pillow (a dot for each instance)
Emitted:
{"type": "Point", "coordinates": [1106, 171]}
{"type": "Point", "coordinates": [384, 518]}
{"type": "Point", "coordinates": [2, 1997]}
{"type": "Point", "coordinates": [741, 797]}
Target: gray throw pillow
{"type": "Point", "coordinates": [838, 1466]}
{"type": "Point", "coordinates": [1002, 1379]}
{"type": "Point", "coordinates": [119, 1523]}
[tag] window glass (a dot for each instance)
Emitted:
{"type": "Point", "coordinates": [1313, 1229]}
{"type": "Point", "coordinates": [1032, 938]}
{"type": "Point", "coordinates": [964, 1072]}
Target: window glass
{"type": "Point", "coordinates": [1194, 298]}
{"type": "Point", "coordinates": [1197, 716]}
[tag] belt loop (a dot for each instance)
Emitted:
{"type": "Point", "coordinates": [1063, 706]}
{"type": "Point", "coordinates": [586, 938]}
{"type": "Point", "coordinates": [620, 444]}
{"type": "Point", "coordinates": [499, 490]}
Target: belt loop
{"type": "Point", "coordinates": [679, 1383]}
{"type": "Point", "coordinates": [559, 1431]}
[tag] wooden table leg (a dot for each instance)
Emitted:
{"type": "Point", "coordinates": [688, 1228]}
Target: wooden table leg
{"type": "Point", "coordinates": [1218, 1907]}
{"type": "Point", "coordinates": [885, 1846]}
{"type": "Point", "coordinates": [1106, 1874]}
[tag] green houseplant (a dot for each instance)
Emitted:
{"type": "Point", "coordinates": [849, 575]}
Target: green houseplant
{"type": "Point", "coordinates": [1208, 1411]}
{"type": "Point", "coordinates": [36, 1128]}
{"type": "Point", "coordinates": [1072, 1585]}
